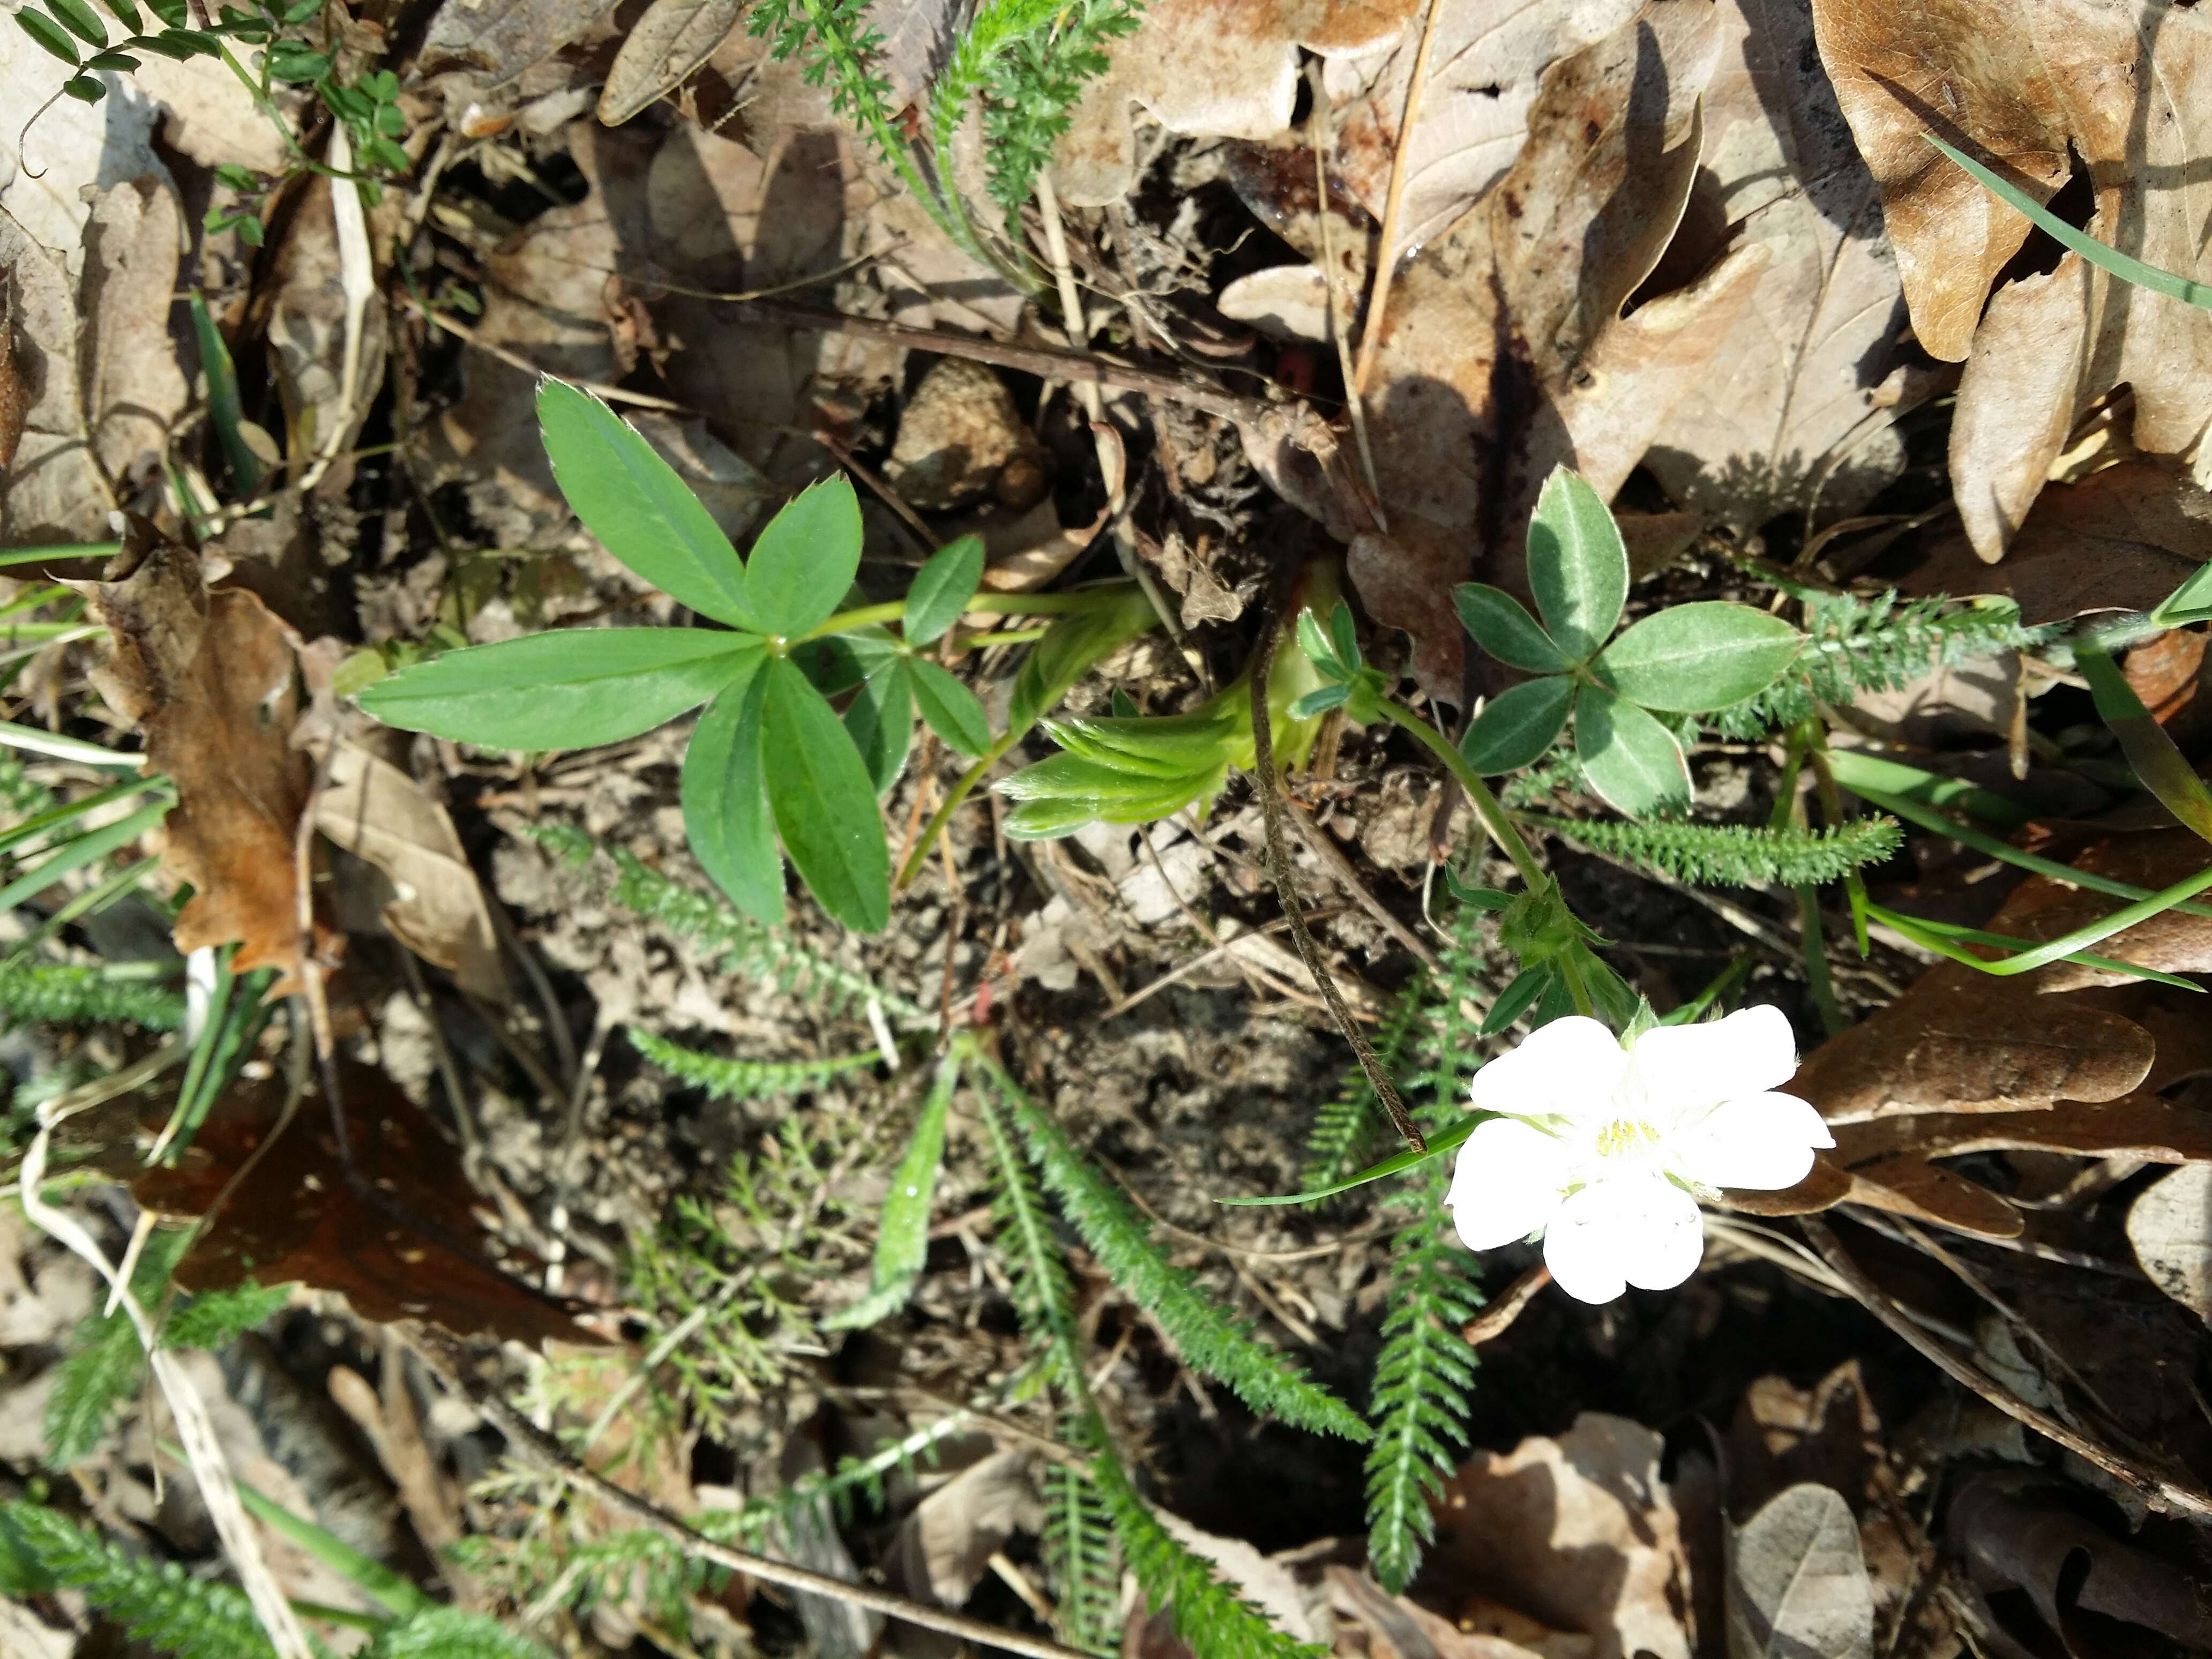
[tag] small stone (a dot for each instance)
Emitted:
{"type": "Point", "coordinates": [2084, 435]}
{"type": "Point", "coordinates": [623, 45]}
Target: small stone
{"type": "Point", "coordinates": [961, 439]}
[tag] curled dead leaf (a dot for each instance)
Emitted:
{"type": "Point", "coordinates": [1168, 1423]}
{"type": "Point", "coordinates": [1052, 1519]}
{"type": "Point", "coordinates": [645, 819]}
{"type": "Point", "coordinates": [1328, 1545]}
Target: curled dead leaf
{"type": "Point", "coordinates": [211, 680]}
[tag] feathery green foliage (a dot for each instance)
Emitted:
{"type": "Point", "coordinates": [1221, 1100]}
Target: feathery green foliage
{"type": "Point", "coordinates": [215, 1319]}
{"type": "Point", "coordinates": [1082, 1562]}
{"type": "Point", "coordinates": [1425, 1371]}
{"type": "Point", "coordinates": [745, 946]}
{"type": "Point", "coordinates": [1031, 87]}
{"type": "Point", "coordinates": [20, 798]}
{"type": "Point", "coordinates": [1211, 1341]}
{"type": "Point", "coordinates": [1855, 645]}
{"type": "Point", "coordinates": [1209, 1616]}
{"type": "Point", "coordinates": [452, 1634]}
{"type": "Point", "coordinates": [161, 1604]}
{"type": "Point", "coordinates": [62, 994]}
{"type": "Point", "coordinates": [106, 1361]}
{"type": "Point", "coordinates": [1735, 855]}
{"type": "Point", "coordinates": [726, 1079]}
{"type": "Point", "coordinates": [1043, 1294]}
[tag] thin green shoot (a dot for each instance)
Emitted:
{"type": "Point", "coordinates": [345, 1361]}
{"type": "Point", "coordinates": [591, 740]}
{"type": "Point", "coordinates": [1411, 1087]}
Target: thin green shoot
{"type": "Point", "coordinates": [2127, 268]}
{"type": "Point", "coordinates": [75, 855]}
{"type": "Point", "coordinates": [59, 550]}
{"type": "Point", "coordinates": [1982, 841]}
{"type": "Point", "coordinates": [31, 740]}
{"type": "Point", "coordinates": [1440, 1142]}
{"type": "Point", "coordinates": [90, 903]}
{"type": "Point", "coordinates": [1856, 769]}
{"type": "Point", "coordinates": [1946, 938]}
{"type": "Point", "coordinates": [2151, 754]}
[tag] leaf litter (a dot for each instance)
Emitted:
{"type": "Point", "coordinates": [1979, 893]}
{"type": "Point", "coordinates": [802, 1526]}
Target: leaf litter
{"type": "Point", "coordinates": [1696, 249]}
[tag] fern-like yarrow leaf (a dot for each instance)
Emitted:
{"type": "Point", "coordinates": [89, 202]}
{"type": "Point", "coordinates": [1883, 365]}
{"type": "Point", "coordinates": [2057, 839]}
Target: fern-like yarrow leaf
{"type": "Point", "coordinates": [1212, 1341]}
{"type": "Point", "coordinates": [1211, 1618]}
{"type": "Point", "coordinates": [1735, 855]}
{"type": "Point", "coordinates": [1856, 645]}
{"type": "Point", "coordinates": [726, 1078]}
{"type": "Point", "coordinates": [159, 1604]}
{"type": "Point", "coordinates": [1084, 1562]}
{"type": "Point", "coordinates": [62, 994]}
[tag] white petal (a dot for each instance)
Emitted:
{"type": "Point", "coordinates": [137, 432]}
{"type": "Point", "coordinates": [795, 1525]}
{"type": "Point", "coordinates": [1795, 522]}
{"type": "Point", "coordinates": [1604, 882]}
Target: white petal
{"type": "Point", "coordinates": [1570, 1067]}
{"type": "Point", "coordinates": [1507, 1183]}
{"type": "Point", "coordinates": [1761, 1142]}
{"type": "Point", "coordinates": [1636, 1230]}
{"type": "Point", "coordinates": [1683, 1069]}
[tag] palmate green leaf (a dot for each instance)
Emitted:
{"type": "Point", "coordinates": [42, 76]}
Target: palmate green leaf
{"type": "Point", "coordinates": [1518, 726]}
{"type": "Point", "coordinates": [942, 588]}
{"type": "Point", "coordinates": [804, 562]}
{"type": "Point", "coordinates": [571, 689]}
{"type": "Point", "coordinates": [724, 798]}
{"type": "Point", "coordinates": [902, 1236]}
{"type": "Point", "coordinates": [881, 718]}
{"type": "Point", "coordinates": [635, 503]}
{"type": "Point", "coordinates": [1627, 757]}
{"type": "Point", "coordinates": [950, 708]}
{"type": "Point", "coordinates": [1501, 625]}
{"type": "Point", "coordinates": [1577, 565]}
{"type": "Point", "coordinates": [823, 801]}
{"type": "Point", "coordinates": [1689, 658]}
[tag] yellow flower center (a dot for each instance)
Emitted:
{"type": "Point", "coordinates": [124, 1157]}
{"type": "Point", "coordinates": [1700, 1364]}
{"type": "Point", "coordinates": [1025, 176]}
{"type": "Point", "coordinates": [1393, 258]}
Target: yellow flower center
{"type": "Point", "coordinates": [1625, 1135]}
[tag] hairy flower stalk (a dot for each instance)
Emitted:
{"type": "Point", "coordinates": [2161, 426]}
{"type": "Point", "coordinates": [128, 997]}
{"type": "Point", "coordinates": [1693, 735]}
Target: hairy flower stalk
{"type": "Point", "coordinates": [1605, 1148]}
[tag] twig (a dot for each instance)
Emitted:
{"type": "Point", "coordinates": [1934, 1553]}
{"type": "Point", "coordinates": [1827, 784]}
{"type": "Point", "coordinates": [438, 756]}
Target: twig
{"type": "Point", "coordinates": [929, 538]}
{"type": "Point", "coordinates": [1494, 1321]}
{"type": "Point", "coordinates": [1185, 970]}
{"type": "Point", "coordinates": [531, 1446]}
{"type": "Point", "coordinates": [467, 336]}
{"type": "Point", "coordinates": [1318, 124]}
{"type": "Point", "coordinates": [1279, 858]}
{"type": "Point", "coordinates": [1371, 333]}
{"type": "Point", "coordinates": [1347, 878]}
{"type": "Point", "coordinates": [2162, 1493]}
{"type": "Point", "coordinates": [1076, 367]}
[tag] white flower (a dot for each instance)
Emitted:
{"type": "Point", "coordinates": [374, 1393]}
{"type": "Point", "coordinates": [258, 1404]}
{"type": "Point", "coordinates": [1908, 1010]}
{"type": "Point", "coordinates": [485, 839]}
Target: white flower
{"type": "Point", "coordinates": [1605, 1149]}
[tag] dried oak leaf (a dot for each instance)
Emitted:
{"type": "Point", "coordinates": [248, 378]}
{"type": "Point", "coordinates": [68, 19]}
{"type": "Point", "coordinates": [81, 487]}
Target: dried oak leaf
{"type": "Point", "coordinates": [1579, 1533]}
{"type": "Point", "coordinates": [409, 1248]}
{"type": "Point", "coordinates": [1505, 352]}
{"type": "Point", "coordinates": [1485, 58]}
{"type": "Point", "coordinates": [1795, 411]}
{"type": "Point", "coordinates": [2121, 539]}
{"type": "Point", "coordinates": [438, 910]}
{"type": "Point", "coordinates": [2126, 85]}
{"type": "Point", "coordinates": [1204, 67]}
{"type": "Point", "coordinates": [211, 680]}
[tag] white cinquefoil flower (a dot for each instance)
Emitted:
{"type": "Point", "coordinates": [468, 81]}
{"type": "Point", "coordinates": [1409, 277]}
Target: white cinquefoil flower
{"type": "Point", "coordinates": [1605, 1149]}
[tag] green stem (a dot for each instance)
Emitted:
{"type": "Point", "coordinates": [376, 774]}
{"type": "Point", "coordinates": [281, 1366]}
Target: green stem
{"type": "Point", "coordinates": [989, 605]}
{"type": "Point", "coordinates": [954, 800]}
{"type": "Point", "coordinates": [1486, 808]}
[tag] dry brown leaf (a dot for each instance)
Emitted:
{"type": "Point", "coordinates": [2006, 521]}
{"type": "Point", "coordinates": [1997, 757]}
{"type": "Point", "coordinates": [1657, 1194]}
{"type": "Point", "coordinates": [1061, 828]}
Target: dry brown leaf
{"type": "Point", "coordinates": [1578, 1533]}
{"type": "Point", "coordinates": [1201, 67]}
{"type": "Point", "coordinates": [14, 392]}
{"type": "Point", "coordinates": [498, 40]}
{"type": "Point", "coordinates": [100, 367]}
{"type": "Point", "coordinates": [211, 680]}
{"type": "Point", "coordinates": [672, 40]}
{"type": "Point", "coordinates": [1399, 1628]}
{"type": "Point", "coordinates": [2028, 86]}
{"type": "Point", "coordinates": [1797, 1585]}
{"type": "Point", "coordinates": [1795, 411]}
{"type": "Point", "coordinates": [2167, 1228]}
{"type": "Point", "coordinates": [2024, 1532]}
{"type": "Point", "coordinates": [400, 1241]}
{"type": "Point", "coordinates": [377, 812]}
{"type": "Point", "coordinates": [133, 387]}
{"type": "Point", "coordinates": [1959, 1041]}
{"type": "Point", "coordinates": [2121, 539]}
{"type": "Point", "coordinates": [1504, 353]}
{"type": "Point", "coordinates": [303, 312]}
{"type": "Point", "coordinates": [943, 1548]}
{"type": "Point", "coordinates": [1485, 59]}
